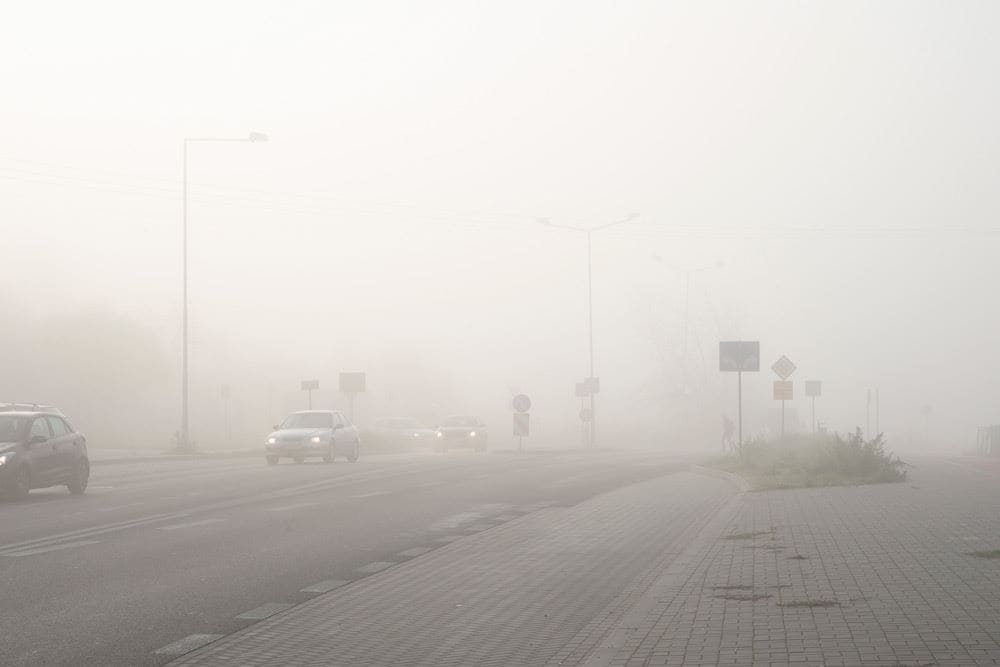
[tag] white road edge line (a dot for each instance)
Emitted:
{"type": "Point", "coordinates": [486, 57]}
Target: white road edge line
{"type": "Point", "coordinates": [372, 494]}
{"type": "Point", "coordinates": [186, 645]}
{"type": "Point", "coordinates": [54, 547]}
{"type": "Point", "coordinates": [286, 508]}
{"type": "Point", "coordinates": [190, 524]}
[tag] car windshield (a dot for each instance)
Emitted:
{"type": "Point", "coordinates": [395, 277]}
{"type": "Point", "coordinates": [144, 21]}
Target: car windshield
{"type": "Point", "coordinates": [460, 420]}
{"type": "Point", "coordinates": [11, 427]}
{"type": "Point", "coordinates": [308, 420]}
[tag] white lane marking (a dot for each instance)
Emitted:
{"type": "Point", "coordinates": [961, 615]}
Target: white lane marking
{"type": "Point", "coordinates": [325, 586]}
{"type": "Point", "coordinates": [456, 520]}
{"type": "Point", "coordinates": [190, 524]}
{"type": "Point", "coordinates": [119, 507]}
{"type": "Point", "coordinates": [448, 538]}
{"type": "Point", "coordinates": [429, 485]}
{"type": "Point", "coordinates": [265, 610]}
{"type": "Point", "coordinates": [286, 508]}
{"type": "Point", "coordinates": [505, 517]}
{"type": "Point", "coordinates": [377, 566]}
{"type": "Point", "coordinates": [372, 494]}
{"type": "Point", "coordinates": [186, 645]}
{"type": "Point", "coordinates": [415, 551]}
{"type": "Point", "coordinates": [55, 547]}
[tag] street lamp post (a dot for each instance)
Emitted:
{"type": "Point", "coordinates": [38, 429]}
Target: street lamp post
{"type": "Point", "coordinates": [590, 299]}
{"type": "Point", "coordinates": [184, 438]}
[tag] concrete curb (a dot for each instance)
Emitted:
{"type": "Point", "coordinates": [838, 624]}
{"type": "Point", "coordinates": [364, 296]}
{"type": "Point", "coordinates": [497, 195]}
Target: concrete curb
{"type": "Point", "coordinates": [741, 483]}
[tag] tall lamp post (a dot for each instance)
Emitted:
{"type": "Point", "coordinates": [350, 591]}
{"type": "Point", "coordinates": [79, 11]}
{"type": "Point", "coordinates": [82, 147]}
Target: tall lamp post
{"type": "Point", "coordinates": [590, 298]}
{"type": "Point", "coordinates": [184, 440]}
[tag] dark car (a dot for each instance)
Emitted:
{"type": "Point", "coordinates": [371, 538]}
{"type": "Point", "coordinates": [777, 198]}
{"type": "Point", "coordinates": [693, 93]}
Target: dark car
{"type": "Point", "coordinates": [39, 449]}
{"type": "Point", "coordinates": [400, 433]}
{"type": "Point", "coordinates": [461, 431]}
{"type": "Point", "coordinates": [313, 434]}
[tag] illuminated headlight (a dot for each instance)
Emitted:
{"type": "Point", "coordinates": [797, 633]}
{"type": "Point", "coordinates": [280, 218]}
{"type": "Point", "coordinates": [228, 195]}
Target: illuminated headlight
{"type": "Point", "coordinates": [416, 435]}
{"type": "Point", "coordinates": [440, 434]}
{"type": "Point", "coordinates": [3, 459]}
{"type": "Point", "coordinates": [316, 440]}
{"type": "Point", "coordinates": [472, 434]}
{"type": "Point", "coordinates": [272, 441]}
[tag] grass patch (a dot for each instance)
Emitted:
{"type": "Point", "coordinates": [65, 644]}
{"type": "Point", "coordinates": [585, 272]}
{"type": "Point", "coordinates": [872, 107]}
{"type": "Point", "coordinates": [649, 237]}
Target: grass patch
{"type": "Point", "coordinates": [738, 597]}
{"type": "Point", "coordinates": [745, 536]}
{"type": "Point", "coordinates": [991, 554]}
{"type": "Point", "coordinates": [808, 604]}
{"type": "Point", "coordinates": [803, 461]}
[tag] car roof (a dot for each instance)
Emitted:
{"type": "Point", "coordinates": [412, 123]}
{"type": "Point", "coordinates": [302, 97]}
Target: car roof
{"type": "Point", "coordinates": [314, 412]}
{"type": "Point", "coordinates": [25, 413]}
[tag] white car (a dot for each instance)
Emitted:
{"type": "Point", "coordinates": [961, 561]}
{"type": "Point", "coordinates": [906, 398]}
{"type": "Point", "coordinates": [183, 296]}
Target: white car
{"type": "Point", "coordinates": [321, 434]}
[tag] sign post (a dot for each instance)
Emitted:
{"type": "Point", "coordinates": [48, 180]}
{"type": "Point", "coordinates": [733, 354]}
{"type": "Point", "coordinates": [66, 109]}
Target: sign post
{"type": "Point", "coordinates": [783, 368]}
{"type": "Point", "coordinates": [814, 388]}
{"type": "Point", "coordinates": [352, 384]}
{"type": "Point", "coordinates": [310, 386]}
{"type": "Point", "coordinates": [739, 356]}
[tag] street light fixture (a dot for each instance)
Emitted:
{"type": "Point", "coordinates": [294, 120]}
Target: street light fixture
{"type": "Point", "coordinates": [184, 438]}
{"type": "Point", "coordinates": [590, 297]}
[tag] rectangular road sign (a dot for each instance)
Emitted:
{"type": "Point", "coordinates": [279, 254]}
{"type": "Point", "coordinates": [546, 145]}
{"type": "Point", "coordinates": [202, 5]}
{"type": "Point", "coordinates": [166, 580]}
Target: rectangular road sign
{"type": "Point", "coordinates": [783, 390]}
{"type": "Point", "coordinates": [352, 383]}
{"type": "Point", "coordinates": [310, 385]}
{"type": "Point", "coordinates": [814, 388]}
{"type": "Point", "coordinates": [581, 390]}
{"type": "Point", "coordinates": [522, 421]}
{"type": "Point", "coordinates": [592, 385]}
{"type": "Point", "coordinates": [739, 355]}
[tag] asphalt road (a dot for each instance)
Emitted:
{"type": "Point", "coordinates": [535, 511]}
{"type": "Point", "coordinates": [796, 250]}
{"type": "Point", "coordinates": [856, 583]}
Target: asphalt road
{"type": "Point", "coordinates": [159, 552]}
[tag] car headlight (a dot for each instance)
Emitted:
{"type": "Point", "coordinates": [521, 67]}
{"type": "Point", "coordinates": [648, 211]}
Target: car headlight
{"type": "Point", "coordinates": [472, 434]}
{"type": "Point", "coordinates": [3, 458]}
{"type": "Point", "coordinates": [272, 440]}
{"type": "Point", "coordinates": [440, 434]}
{"type": "Point", "coordinates": [316, 440]}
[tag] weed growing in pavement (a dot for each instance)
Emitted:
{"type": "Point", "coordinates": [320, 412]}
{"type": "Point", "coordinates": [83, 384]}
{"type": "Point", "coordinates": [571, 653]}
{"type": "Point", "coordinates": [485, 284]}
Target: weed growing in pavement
{"type": "Point", "coordinates": [744, 536]}
{"type": "Point", "coordinates": [737, 597]}
{"type": "Point", "coordinates": [795, 604]}
{"type": "Point", "coordinates": [799, 461]}
{"type": "Point", "coordinates": [991, 554]}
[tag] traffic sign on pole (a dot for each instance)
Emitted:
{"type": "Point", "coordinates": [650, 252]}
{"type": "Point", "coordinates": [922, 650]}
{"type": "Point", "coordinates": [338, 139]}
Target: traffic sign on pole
{"type": "Point", "coordinates": [783, 367]}
{"type": "Point", "coordinates": [521, 403]}
{"type": "Point", "coordinates": [739, 356]}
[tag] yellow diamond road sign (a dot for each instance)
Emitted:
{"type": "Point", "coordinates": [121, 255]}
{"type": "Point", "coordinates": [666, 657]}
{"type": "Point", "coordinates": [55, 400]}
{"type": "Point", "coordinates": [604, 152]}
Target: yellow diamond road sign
{"type": "Point", "coordinates": [783, 367]}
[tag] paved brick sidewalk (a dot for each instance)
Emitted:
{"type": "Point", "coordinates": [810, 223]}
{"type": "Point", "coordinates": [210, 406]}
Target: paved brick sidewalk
{"type": "Point", "coordinates": [843, 576]}
{"type": "Point", "coordinates": [542, 589]}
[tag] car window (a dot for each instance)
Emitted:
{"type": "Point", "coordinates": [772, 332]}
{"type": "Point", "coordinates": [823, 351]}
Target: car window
{"type": "Point", "coordinates": [344, 421]}
{"type": "Point", "coordinates": [58, 426]}
{"type": "Point", "coordinates": [11, 428]}
{"type": "Point", "coordinates": [39, 427]}
{"type": "Point", "coordinates": [308, 420]}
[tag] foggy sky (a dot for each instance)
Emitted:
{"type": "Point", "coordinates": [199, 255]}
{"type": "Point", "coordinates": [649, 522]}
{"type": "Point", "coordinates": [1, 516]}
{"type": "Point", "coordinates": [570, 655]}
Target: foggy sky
{"type": "Point", "coordinates": [839, 161]}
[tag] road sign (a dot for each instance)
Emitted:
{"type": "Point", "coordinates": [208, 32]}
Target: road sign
{"type": "Point", "coordinates": [522, 421]}
{"type": "Point", "coordinates": [586, 415]}
{"type": "Point", "coordinates": [352, 383]}
{"type": "Point", "coordinates": [783, 367]}
{"type": "Point", "coordinates": [521, 403]}
{"type": "Point", "coordinates": [581, 390]}
{"type": "Point", "coordinates": [783, 390]}
{"type": "Point", "coordinates": [592, 385]}
{"type": "Point", "coordinates": [310, 385]}
{"type": "Point", "coordinates": [814, 388]}
{"type": "Point", "coordinates": [739, 356]}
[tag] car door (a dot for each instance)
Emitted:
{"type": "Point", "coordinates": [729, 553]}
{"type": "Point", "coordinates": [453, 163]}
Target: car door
{"type": "Point", "coordinates": [40, 452]}
{"type": "Point", "coordinates": [340, 435]}
{"type": "Point", "coordinates": [65, 446]}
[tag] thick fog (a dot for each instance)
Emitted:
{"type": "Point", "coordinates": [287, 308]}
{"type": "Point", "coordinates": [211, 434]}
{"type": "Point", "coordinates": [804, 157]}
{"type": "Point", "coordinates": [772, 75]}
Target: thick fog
{"type": "Point", "coordinates": [821, 178]}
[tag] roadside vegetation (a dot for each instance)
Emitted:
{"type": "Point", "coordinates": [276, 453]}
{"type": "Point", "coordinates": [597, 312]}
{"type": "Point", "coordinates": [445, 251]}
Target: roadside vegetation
{"type": "Point", "coordinates": [814, 460]}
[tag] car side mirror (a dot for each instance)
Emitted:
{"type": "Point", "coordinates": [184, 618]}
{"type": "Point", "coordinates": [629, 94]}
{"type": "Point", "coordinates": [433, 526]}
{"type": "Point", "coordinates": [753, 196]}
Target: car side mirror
{"type": "Point", "coordinates": [338, 426]}
{"type": "Point", "coordinates": [275, 428]}
{"type": "Point", "coordinates": [37, 440]}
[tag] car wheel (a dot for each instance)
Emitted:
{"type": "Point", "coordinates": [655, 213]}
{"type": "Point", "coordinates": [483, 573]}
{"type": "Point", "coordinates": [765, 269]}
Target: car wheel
{"type": "Point", "coordinates": [328, 457]}
{"type": "Point", "coordinates": [20, 485]}
{"type": "Point", "coordinates": [299, 459]}
{"type": "Point", "coordinates": [77, 483]}
{"type": "Point", "coordinates": [355, 453]}
{"type": "Point", "coordinates": [272, 460]}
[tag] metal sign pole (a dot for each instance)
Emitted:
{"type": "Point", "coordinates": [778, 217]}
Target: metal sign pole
{"type": "Point", "coordinates": [310, 392]}
{"type": "Point", "coordinates": [814, 414]}
{"type": "Point", "coordinates": [782, 418]}
{"type": "Point", "coordinates": [739, 376]}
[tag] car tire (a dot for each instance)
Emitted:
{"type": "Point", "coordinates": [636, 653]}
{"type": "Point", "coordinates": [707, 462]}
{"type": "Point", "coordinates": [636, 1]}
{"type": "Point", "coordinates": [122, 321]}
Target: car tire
{"type": "Point", "coordinates": [20, 485]}
{"type": "Point", "coordinates": [272, 460]}
{"type": "Point", "coordinates": [328, 457]}
{"type": "Point", "coordinates": [355, 453]}
{"type": "Point", "coordinates": [299, 459]}
{"type": "Point", "coordinates": [77, 483]}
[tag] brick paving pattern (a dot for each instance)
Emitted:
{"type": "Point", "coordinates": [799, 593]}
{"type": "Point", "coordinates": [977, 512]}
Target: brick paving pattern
{"type": "Point", "coordinates": [683, 570]}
